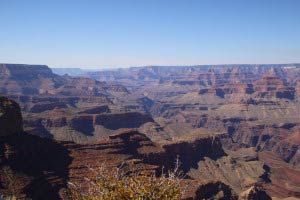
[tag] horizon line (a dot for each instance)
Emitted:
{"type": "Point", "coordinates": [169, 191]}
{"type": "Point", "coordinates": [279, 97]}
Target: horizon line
{"type": "Point", "coordinates": [140, 66]}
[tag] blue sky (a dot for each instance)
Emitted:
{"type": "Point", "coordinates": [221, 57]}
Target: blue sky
{"type": "Point", "coordinates": [121, 33]}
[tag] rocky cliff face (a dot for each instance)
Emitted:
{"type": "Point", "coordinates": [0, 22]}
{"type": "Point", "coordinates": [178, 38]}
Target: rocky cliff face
{"type": "Point", "coordinates": [39, 79]}
{"type": "Point", "coordinates": [268, 86]}
{"type": "Point", "coordinates": [72, 126]}
{"type": "Point", "coordinates": [208, 190]}
{"type": "Point", "coordinates": [272, 85]}
{"type": "Point", "coordinates": [25, 79]}
{"type": "Point", "coordinates": [29, 166]}
{"type": "Point", "coordinates": [10, 117]}
{"type": "Point", "coordinates": [24, 72]}
{"type": "Point", "coordinates": [255, 193]}
{"type": "Point", "coordinates": [284, 140]}
{"type": "Point", "coordinates": [190, 152]}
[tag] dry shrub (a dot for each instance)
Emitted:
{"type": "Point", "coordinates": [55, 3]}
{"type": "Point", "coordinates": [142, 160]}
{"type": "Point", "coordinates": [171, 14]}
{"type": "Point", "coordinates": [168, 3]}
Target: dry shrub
{"type": "Point", "coordinates": [105, 183]}
{"type": "Point", "coordinates": [11, 197]}
{"type": "Point", "coordinates": [10, 183]}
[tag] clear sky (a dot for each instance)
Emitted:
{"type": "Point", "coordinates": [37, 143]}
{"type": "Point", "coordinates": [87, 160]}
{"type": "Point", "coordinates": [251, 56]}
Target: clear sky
{"type": "Point", "coordinates": [121, 33]}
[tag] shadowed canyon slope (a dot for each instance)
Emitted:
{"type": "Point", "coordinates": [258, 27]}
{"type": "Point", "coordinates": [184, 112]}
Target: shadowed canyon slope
{"type": "Point", "coordinates": [233, 127]}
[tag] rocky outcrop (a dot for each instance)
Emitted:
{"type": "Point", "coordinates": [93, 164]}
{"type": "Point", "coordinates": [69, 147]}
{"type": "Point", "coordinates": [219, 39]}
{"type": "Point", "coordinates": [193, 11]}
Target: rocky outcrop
{"type": "Point", "coordinates": [25, 72]}
{"type": "Point", "coordinates": [216, 91]}
{"type": "Point", "coordinates": [38, 108]}
{"type": "Point", "coordinates": [207, 190]}
{"type": "Point", "coordinates": [185, 82]}
{"type": "Point", "coordinates": [191, 151]}
{"type": "Point", "coordinates": [44, 103]}
{"type": "Point", "coordinates": [268, 86]}
{"type": "Point", "coordinates": [255, 193]}
{"type": "Point", "coordinates": [64, 125]}
{"type": "Point", "coordinates": [96, 110]}
{"type": "Point", "coordinates": [10, 117]}
{"type": "Point", "coordinates": [236, 173]}
{"type": "Point", "coordinates": [39, 79]}
{"type": "Point", "coordinates": [238, 89]}
{"type": "Point", "coordinates": [298, 91]}
{"type": "Point", "coordinates": [285, 143]}
{"type": "Point", "coordinates": [122, 120]}
{"type": "Point", "coordinates": [30, 167]}
{"type": "Point", "coordinates": [272, 85]}
{"type": "Point", "coordinates": [115, 88]}
{"type": "Point", "coordinates": [27, 79]}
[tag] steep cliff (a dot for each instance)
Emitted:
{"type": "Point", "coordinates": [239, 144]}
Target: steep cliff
{"type": "Point", "coordinates": [10, 117]}
{"type": "Point", "coordinates": [19, 79]}
{"type": "Point", "coordinates": [82, 126]}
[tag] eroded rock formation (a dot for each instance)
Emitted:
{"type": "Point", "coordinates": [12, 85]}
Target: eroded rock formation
{"type": "Point", "coordinates": [10, 117]}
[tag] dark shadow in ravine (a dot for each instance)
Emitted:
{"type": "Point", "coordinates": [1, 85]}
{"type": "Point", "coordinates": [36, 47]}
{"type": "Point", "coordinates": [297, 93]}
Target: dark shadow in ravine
{"type": "Point", "coordinates": [43, 162]}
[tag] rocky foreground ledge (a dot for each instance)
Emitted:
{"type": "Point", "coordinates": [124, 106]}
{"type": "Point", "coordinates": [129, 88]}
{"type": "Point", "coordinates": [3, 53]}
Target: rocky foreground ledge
{"type": "Point", "coordinates": [37, 168]}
